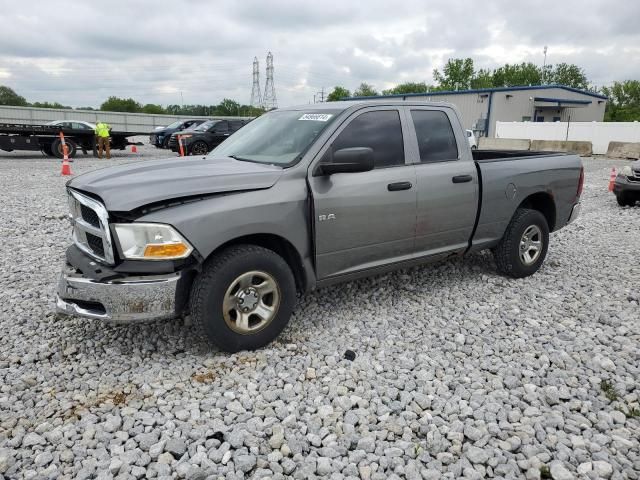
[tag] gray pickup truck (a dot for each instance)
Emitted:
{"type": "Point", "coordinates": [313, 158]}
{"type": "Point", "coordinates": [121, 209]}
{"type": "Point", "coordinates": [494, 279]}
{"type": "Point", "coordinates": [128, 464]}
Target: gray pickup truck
{"type": "Point", "coordinates": [300, 198]}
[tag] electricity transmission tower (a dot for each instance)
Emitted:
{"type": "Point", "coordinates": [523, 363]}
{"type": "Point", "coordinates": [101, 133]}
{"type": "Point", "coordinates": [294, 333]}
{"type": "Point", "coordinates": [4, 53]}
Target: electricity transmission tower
{"type": "Point", "coordinates": [269, 100]}
{"type": "Point", "coordinates": [256, 96]}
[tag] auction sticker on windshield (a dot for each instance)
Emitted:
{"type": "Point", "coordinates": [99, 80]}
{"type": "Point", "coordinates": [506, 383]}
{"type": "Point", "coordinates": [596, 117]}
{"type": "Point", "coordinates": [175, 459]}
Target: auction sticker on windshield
{"type": "Point", "coordinates": [316, 117]}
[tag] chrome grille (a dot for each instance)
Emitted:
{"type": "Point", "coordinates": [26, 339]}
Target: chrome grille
{"type": "Point", "coordinates": [90, 227]}
{"type": "Point", "coordinates": [635, 176]}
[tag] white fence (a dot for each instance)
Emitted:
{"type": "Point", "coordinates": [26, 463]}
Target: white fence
{"type": "Point", "coordinates": [132, 122]}
{"type": "Point", "coordinates": [598, 133]}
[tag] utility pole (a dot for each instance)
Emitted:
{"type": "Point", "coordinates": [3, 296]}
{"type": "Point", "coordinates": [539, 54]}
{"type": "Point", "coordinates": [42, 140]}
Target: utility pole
{"type": "Point", "coordinates": [544, 65]}
{"type": "Point", "coordinates": [256, 96]}
{"type": "Point", "coordinates": [320, 94]}
{"type": "Point", "coordinates": [269, 100]}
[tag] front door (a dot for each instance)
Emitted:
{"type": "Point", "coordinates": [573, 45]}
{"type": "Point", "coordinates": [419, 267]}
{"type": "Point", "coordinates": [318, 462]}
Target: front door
{"type": "Point", "coordinates": [447, 183]}
{"type": "Point", "coordinates": [366, 219]}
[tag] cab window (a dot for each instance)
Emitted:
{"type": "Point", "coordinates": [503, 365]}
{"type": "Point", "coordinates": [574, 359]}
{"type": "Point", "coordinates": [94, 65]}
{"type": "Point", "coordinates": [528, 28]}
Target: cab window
{"type": "Point", "coordinates": [379, 130]}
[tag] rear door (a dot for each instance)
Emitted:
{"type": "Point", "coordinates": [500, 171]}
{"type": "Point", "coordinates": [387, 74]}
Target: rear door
{"type": "Point", "coordinates": [447, 181]}
{"type": "Point", "coordinates": [219, 133]}
{"type": "Point", "coordinates": [365, 219]}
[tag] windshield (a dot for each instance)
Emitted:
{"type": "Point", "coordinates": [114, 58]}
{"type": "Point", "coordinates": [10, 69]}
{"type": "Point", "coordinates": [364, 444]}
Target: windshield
{"type": "Point", "coordinates": [279, 137]}
{"type": "Point", "coordinates": [175, 124]}
{"type": "Point", "coordinates": [205, 126]}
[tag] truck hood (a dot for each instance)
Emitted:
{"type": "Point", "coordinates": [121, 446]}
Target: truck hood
{"type": "Point", "coordinates": [126, 187]}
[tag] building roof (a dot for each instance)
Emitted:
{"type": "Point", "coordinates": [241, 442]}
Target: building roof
{"type": "Point", "coordinates": [484, 90]}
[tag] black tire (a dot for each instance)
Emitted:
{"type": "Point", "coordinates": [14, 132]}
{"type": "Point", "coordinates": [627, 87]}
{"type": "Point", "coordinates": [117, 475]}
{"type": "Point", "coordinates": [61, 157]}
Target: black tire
{"type": "Point", "coordinates": [624, 200]}
{"type": "Point", "coordinates": [56, 148]}
{"type": "Point", "coordinates": [508, 252]}
{"type": "Point", "coordinates": [46, 149]}
{"type": "Point", "coordinates": [199, 148]}
{"type": "Point", "coordinates": [165, 142]}
{"type": "Point", "coordinates": [217, 279]}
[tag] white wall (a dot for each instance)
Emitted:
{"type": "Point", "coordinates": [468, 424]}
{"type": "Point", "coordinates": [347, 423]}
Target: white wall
{"type": "Point", "coordinates": [132, 122]}
{"type": "Point", "coordinates": [598, 133]}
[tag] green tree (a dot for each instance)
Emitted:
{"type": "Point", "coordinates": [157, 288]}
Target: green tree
{"type": "Point", "coordinates": [338, 93]}
{"type": "Point", "coordinates": [9, 97]}
{"type": "Point", "coordinates": [115, 104]}
{"type": "Point", "coordinates": [153, 108]}
{"type": "Point", "coordinates": [365, 90]}
{"type": "Point", "coordinates": [84, 108]}
{"type": "Point", "coordinates": [482, 79]}
{"type": "Point", "coordinates": [49, 105]}
{"type": "Point", "coordinates": [624, 101]}
{"type": "Point", "coordinates": [408, 87]}
{"type": "Point", "coordinates": [457, 74]}
{"type": "Point", "coordinates": [517, 75]}
{"type": "Point", "coordinates": [228, 107]}
{"type": "Point", "coordinates": [567, 74]}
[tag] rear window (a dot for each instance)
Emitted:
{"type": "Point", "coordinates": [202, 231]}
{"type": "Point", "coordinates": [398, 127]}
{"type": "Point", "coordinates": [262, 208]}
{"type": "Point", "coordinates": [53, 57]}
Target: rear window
{"type": "Point", "coordinates": [436, 140]}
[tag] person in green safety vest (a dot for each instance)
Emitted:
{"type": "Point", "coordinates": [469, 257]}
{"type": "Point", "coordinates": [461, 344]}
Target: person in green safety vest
{"type": "Point", "coordinates": [102, 138]}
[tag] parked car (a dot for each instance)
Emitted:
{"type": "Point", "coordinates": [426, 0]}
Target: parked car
{"type": "Point", "coordinates": [473, 144]}
{"type": "Point", "coordinates": [160, 136]}
{"type": "Point", "coordinates": [627, 185]}
{"type": "Point", "coordinates": [73, 124]}
{"type": "Point", "coordinates": [205, 137]}
{"type": "Point", "coordinates": [300, 198]}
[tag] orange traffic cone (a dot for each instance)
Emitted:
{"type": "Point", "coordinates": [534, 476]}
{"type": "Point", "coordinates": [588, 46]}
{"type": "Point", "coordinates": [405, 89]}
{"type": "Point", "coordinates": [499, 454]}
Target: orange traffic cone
{"type": "Point", "coordinates": [134, 149]}
{"type": "Point", "coordinates": [180, 145]}
{"type": "Point", "coordinates": [612, 179]}
{"type": "Point", "coordinates": [66, 168]}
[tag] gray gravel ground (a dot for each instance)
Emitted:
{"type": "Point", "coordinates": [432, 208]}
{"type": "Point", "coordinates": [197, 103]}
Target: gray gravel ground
{"type": "Point", "coordinates": [458, 372]}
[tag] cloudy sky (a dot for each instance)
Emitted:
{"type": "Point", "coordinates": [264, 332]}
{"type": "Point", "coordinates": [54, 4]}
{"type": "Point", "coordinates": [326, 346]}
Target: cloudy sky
{"type": "Point", "coordinates": [201, 51]}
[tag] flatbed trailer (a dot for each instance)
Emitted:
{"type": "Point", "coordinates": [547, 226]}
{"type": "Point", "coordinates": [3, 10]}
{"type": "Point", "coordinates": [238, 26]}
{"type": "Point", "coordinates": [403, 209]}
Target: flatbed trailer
{"type": "Point", "coordinates": [46, 138]}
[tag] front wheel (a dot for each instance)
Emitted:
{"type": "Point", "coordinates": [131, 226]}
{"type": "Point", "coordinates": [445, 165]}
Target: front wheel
{"type": "Point", "coordinates": [524, 245]}
{"type": "Point", "coordinates": [243, 298]}
{"type": "Point", "coordinates": [199, 148]}
{"type": "Point", "coordinates": [624, 200]}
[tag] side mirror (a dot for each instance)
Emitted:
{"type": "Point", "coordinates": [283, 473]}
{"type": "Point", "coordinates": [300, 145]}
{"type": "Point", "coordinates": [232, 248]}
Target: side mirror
{"type": "Point", "coordinates": [348, 160]}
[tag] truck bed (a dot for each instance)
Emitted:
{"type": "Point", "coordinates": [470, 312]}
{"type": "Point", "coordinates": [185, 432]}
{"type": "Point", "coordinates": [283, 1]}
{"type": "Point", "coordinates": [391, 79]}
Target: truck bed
{"type": "Point", "coordinates": [508, 178]}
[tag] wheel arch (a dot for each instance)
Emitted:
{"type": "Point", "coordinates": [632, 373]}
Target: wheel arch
{"type": "Point", "coordinates": [278, 245]}
{"type": "Point", "coordinates": [542, 202]}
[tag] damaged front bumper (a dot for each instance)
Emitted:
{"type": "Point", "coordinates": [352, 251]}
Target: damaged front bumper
{"type": "Point", "coordinates": [123, 300]}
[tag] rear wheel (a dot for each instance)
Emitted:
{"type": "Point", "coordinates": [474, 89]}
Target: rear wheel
{"type": "Point", "coordinates": [57, 150]}
{"type": "Point", "coordinates": [199, 148]}
{"type": "Point", "coordinates": [243, 298]}
{"type": "Point", "coordinates": [524, 245]}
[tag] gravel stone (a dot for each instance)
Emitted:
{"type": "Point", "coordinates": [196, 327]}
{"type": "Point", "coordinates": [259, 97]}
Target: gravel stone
{"type": "Point", "coordinates": [477, 455]}
{"type": "Point", "coordinates": [602, 469]}
{"type": "Point", "coordinates": [459, 373]}
{"type": "Point", "coordinates": [245, 463]}
{"type": "Point", "coordinates": [559, 472]}
{"type": "Point", "coordinates": [176, 447]}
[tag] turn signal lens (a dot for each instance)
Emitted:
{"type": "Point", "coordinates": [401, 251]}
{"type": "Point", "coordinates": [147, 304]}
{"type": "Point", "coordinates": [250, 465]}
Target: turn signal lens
{"type": "Point", "coordinates": [171, 250]}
